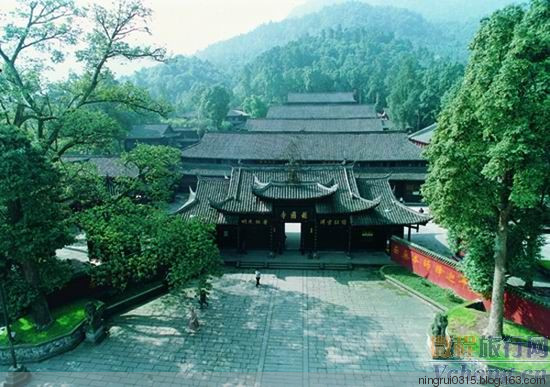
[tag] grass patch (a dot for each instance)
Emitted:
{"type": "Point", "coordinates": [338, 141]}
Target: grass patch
{"type": "Point", "coordinates": [443, 297]}
{"type": "Point", "coordinates": [66, 318]}
{"type": "Point", "coordinates": [470, 322]}
{"type": "Point", "coordinates": [545, 264]}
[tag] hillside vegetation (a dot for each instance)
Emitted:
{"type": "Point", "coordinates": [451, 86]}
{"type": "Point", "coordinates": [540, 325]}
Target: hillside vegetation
{"type": "Point", "coordinates": [448, 39]}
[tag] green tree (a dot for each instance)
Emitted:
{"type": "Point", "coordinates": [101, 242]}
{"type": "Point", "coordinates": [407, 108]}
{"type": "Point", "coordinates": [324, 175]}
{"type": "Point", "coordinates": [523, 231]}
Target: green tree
{"type": "Point", "coordinates": [214, 105]}
{"type": "Point", "coordinates": [33, 221]}
{"type": "Point", "coordinates": [404, 97]}
{"type": "Point", "coordinates": [158, 171]}
{"type": "Point", "coordinates": [67, 114]}
{"type": "Point", "coordinates": [81, 185]}
{"type": "Point", "coordinates": [255, 106]}
{"type": "Point", "coordinates": [489, 161]}
{"type": "Point", "coordinates": [136, 242]}
{"type": "Point", "coordinates": [192, 250]}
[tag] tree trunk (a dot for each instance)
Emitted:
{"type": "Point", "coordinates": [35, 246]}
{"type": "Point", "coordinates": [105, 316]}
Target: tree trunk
{"type": "Point", "coordinates": [496, 317]}
{"type": "Point", "coordinates": [39, 307]}
{"type": "Point", "coordinates": [40, 310]}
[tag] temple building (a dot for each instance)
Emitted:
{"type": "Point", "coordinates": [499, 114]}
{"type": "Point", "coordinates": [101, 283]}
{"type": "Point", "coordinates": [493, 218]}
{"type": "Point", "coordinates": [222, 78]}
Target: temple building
{"type": "Point", "coordinates": [321, 163]}
{"type": "Point", "coordinates": [332, 207]}
{"type": "Point", "coordinates": [373, 154]}
{"type": "Point", "coordinates": [315, 128]}
{"type": "Point", "coordinates": [321, 112]}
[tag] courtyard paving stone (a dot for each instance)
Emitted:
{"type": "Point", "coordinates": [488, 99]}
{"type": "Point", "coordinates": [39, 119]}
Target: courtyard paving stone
{"type": "Point", "coordinates": [300, 328]}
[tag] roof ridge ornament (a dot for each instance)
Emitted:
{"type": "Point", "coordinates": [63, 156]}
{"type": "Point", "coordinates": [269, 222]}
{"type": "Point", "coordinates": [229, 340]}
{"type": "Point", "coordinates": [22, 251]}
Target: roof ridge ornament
{"type": "Point", "coordinates": [190, 201]}
{"type": "Point", "coordinates": [259, 185]}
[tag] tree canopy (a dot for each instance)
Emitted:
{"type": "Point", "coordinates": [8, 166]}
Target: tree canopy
{"type": "Point", "coordinates": [214, 105]}
{"type": "Point", "coordinates": [41, 120]}
{"type": "Point", "coordinates": [34, 222]}
{"type": "Point", "coordinates": [55, 112]}
{"type": "Point", "coordinates": [384, 70]}
{"type": "Point", "coordinates": [489, 161]}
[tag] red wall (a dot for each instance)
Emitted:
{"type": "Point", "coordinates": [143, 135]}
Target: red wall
{"type": "Point", "coordinates": [432, 269]}
{"type": "Point", "coordinates": [525, 312]}
{"type": "Point", "coordinates": [516, 308]}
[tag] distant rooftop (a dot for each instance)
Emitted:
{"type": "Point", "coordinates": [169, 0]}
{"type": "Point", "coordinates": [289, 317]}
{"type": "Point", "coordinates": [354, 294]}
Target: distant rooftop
{"type": "Point", "coordinates": [322, 111]}
{"type": "Point", "coordinates": [236, 113]}
{"type": "Point", "coordinates": [321, 98]}
{"type": "Point", "coordinates": [111, 166]}
{"type": "Point", "coordinates": [149, 131]}
{"type": "Point", "coordinates": [327, 125]}
{"type": "Point", "coordinates": [423, 136]}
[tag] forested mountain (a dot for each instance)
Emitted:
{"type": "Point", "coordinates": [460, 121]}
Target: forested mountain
{"type": "Point", "coordinates": [385, 70]}
{"type": "Point", "coordinates": [450, 39]}
{"type": "Point", "coordinates": [392, 57]}
{"type": "Point", "coordinates": [180, 80]}
{"type": "Point", "coordinates": [433, 10]}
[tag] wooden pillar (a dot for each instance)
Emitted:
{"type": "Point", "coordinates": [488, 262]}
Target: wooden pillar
{"type": "Point", "coordinates": [409, 233]}
{"type": "Point", "coordinates": [271, 245]}
{"type": "Point", "coordinates": [315, 238]}
{"type": "Point", "coordinates": [302, 237]}
{"type": "Point", "coordinates": [349, 237]}
{"type": "Point", "coordinates": [239, 236]}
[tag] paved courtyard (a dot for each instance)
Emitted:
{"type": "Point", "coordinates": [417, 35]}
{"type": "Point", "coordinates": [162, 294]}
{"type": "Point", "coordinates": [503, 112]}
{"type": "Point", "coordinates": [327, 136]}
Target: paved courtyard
{"type": "Point", "coordinates": [299, 328]}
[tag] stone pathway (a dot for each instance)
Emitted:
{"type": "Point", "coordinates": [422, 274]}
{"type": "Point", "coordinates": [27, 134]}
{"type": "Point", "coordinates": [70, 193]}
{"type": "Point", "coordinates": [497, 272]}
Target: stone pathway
{"type": "Point", "coordinates": [300, 328]}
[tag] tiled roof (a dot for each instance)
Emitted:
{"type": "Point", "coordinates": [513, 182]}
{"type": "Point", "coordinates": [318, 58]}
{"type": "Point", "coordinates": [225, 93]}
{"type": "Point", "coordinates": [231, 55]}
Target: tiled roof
{"type": "Point", "coordinates": [305, 190]}
{"type": "Point", "coordinates": [111, 166]}
{"type": "Point", "coordinates": [335, 97]}
{"type": "Point", "coordinates": [322, 111]}
{"type": "Point", "coordinates": [369, 201]}
{"type": "Point", "coordinates": [333, 147]}
{"type": "Point", "coordinates": [424, 136]}
{"type": "Point", "coordinates": [149, 131]}
{"type": "Point", "coordinates": [198, 204]}
{"type": "Point", "coordinates": [200, 169]}
{"type": "Point", "coordinates": [389, 211]}
{"type": "Point", "coordinates": [243, 198]}
{"type": "Point", "coordinates": [327, 125]}
{"type": "Point", "coordinates": [393, 173]}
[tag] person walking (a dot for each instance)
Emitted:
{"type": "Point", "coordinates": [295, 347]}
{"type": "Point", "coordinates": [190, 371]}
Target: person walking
{"type": "Point", "coordinates": [203, 299]}
{"type": "Point", "coordinates": [193, 323]}
{"type": "Point", "coordinates": [258, 276]}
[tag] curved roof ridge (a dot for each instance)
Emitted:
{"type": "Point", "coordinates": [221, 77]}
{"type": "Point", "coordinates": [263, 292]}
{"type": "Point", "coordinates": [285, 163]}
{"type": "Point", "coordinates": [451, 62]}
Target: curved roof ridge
{"type": "Point", "coordinates": [356, 195]}
{"type": "Point", "coordinates": [384, 177]}
{"type": "Point", "coordinates": [259, 185]}
{"type": "Point", "coordinates": [333, 186]}
{"type": "Point", "coordinates": [192, 200]}
{"type": "Point", "coordinates": [399, 204]}
{"type": "Point", "coordinates": [218, 205]}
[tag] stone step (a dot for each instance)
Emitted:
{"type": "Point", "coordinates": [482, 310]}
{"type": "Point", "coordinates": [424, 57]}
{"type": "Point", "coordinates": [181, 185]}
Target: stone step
{"type": "Point", "coordinates": [313, 265]}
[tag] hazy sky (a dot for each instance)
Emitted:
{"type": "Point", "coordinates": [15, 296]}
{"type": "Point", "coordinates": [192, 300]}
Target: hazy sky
{"type": "Point", "coordinates": [185, 26]}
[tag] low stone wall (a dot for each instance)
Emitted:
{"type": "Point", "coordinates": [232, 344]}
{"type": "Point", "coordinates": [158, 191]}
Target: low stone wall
{"type": "Point", "coordinates": [31, 353]}
{"type": "Point", "coordinates": [519, 306]}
